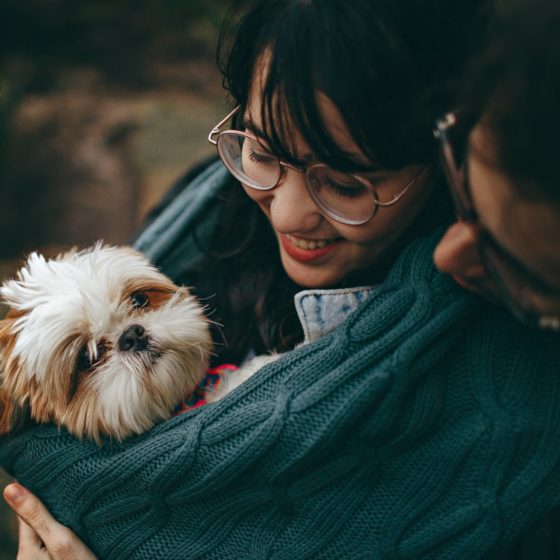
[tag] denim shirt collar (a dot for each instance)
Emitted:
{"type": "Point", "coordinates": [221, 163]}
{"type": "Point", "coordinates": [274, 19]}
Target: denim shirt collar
{"type": "Point", "coordinates": [321, 311]}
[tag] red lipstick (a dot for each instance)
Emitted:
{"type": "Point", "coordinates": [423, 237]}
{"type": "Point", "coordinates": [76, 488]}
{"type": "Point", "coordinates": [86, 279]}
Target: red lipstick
{"type": "Point", "coordinates": [307, 255]}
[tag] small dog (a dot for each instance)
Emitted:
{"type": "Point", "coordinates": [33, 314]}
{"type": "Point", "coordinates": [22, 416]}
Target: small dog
{"type": "Point", "coordinates": [99, 341]}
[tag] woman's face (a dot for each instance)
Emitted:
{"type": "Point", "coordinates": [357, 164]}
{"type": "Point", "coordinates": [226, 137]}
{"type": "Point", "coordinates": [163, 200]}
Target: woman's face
{"type": "Point", "coordinates": [528, 231]}
{"type": "Point", "coordinates": [317, 251]}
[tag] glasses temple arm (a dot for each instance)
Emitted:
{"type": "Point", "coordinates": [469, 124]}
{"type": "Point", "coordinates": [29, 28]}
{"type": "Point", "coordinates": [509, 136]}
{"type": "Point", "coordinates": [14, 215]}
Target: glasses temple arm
{"type": "Point", "coordinates": [216, 129]}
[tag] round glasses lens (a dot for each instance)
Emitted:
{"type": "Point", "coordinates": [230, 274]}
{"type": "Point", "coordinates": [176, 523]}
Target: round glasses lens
{"type": "Point", "coordinates": [342, 195]}
{"type": "Point", "coordinates": [248, 161]}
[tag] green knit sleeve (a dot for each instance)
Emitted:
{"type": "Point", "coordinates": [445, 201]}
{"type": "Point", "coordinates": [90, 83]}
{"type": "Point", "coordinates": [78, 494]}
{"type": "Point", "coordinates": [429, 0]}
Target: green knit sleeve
{"type": "Point", "coordinates": [424, 427]}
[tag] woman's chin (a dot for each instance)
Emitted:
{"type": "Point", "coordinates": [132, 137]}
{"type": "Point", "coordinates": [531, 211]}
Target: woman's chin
{"type": "Point", "coordinates": [311, 275]}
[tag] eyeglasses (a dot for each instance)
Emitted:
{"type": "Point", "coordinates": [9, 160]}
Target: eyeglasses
{"type": "Point", "coordinates": [528, 297]}
{"type": "Point", "coordinates": [344, 197]}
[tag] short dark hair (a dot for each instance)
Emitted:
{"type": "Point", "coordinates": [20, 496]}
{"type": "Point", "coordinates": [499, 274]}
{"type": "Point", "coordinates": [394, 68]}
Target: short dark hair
{"type": "Point", "coordinates": [514, 88]}
{"type": "Point", "coordinates": [388, 65]}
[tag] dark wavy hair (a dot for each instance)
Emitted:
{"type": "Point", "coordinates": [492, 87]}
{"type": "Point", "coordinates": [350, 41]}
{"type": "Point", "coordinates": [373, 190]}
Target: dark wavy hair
{"type": "Point", "coordinates": [514, 87]}
{"type": "Point", "coordinates": [389, 67]}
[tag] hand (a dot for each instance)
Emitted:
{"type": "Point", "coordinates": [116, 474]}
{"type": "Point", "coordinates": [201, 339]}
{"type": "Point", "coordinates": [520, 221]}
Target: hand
{"type": "Point", "coordinates": [41, 537]}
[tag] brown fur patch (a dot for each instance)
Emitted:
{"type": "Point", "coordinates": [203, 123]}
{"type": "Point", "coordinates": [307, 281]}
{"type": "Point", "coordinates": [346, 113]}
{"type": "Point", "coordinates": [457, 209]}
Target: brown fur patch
{"type": "Point", "coordinates": [14, 412]}
{"type": "Point", "coordinates": [13, 417]}
{"type": "Point", "coordinates": [158, 294]}
{"type": "Point", "coordinates": [23, 398]}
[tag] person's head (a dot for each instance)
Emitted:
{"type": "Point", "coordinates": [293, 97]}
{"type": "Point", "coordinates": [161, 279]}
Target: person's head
{"type": "Point", "coordinates": [353, 85]}
{"type": "Point", "coordinates": [507, 242]}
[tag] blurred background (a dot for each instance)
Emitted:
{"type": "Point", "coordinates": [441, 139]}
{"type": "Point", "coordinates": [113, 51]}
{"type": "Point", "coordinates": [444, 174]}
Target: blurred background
{"type": "Point", "coordinates": [103, 104]}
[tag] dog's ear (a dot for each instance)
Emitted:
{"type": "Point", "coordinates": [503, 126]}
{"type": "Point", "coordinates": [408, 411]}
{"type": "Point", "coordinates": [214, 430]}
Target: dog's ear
{"type": "Point", "coordinates": [13, 416]}
{"type": "Point", "coordinates": [5, 413]}
{"type": "Point", "coordinates": [7, 336]}
{"type": "Point", "coordinates": [5, 406]}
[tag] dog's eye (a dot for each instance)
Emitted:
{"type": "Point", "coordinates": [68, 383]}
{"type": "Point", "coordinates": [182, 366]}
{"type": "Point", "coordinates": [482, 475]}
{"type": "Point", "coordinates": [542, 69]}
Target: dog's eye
{"type": "Point", "coordinates": [84, 361]}
{"type": "Point", "coordinates": [139, 300]}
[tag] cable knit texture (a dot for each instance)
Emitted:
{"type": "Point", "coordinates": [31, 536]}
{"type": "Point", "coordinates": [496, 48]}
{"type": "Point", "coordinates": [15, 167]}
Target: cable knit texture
{"type": "Point", "coordinates": [426, 426]}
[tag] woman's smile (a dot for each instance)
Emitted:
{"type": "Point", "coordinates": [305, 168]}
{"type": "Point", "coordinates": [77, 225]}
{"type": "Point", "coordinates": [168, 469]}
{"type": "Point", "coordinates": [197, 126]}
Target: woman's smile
{"type": "Point", "coordinates": [308, 250]}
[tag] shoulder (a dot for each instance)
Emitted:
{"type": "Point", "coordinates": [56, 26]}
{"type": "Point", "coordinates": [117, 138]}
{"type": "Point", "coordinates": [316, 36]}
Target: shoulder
{"type": "Point", "coordinates": [183, 182]}
{"type": "Point", "coordinates": [187, 215]}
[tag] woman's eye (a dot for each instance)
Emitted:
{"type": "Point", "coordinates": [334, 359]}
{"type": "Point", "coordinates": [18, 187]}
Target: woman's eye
{"type": "Point", "coordinates": [348, 191]}
{"type": "Point", "coordinates": [139, 300]}
{"type": "Point", "coordinates": [261, 158]}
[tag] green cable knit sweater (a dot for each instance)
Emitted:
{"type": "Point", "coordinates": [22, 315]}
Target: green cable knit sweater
{"type": "Point", "coordinates": [426, 426]}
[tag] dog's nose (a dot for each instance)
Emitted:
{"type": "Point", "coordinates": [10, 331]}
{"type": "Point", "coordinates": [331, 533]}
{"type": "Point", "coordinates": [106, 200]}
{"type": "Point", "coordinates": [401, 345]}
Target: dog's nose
{"type": "Point", "coordinates": [134, 339]}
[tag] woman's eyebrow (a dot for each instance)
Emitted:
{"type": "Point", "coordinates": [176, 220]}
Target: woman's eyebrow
{"type": "Point", "coordinates": [308, 158]}
{"type": "Point", "coordinates": [246, 123]}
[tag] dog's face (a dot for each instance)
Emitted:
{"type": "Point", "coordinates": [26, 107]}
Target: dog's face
{"type": "Point", "coordinates": [98, 341]}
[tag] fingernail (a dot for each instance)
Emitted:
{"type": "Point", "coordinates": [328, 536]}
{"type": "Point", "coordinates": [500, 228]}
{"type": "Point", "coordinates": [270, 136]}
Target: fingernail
{"type": "Point", "coordinates": [14, 493]}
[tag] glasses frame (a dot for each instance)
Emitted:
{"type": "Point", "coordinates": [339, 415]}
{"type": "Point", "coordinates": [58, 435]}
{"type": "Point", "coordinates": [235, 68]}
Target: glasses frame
{"type": "Point", "coordinates": [215, 134]}
{"type": "Point", "coordinates": [493, 256]}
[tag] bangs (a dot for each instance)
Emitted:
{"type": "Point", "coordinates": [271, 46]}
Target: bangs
{"type": "Point", "coordinates": [290, 112]}
{"type": "Point", "coordinates": [293, 69]}
{"type": "Point", "coordinates": [389, 71]}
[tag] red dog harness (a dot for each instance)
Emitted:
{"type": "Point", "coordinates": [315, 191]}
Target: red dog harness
{"type": "Point", "coordinates": [209, 382]}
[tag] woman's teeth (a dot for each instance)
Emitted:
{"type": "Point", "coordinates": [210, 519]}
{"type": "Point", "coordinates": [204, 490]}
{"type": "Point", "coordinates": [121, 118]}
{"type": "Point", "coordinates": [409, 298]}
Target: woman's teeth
{"type": "Point", "coordinates": [309, 244]}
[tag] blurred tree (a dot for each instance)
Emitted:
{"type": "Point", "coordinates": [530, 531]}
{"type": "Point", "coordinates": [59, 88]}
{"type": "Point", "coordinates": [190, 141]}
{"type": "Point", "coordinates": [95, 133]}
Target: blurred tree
{"type": "Point", "coordinates": [121, 38]}
{"type": "Point", "coordinates": [69, 70]}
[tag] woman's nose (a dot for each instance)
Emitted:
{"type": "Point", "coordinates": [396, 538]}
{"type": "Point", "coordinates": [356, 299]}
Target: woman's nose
{"type": "Point", "coordinates": [457, 252]}
{"type": "Point", "coordinates": [292, 210]}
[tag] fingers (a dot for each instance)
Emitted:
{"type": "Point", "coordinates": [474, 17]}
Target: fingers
{"type": "Point", "coordinates": [28, 538]}
{"type": "Point", "coordinates": [30, 510]}
{"type": "Point", "coordinates": [41, 536]}
{"type": "Point", "coordinates": [30, 545]}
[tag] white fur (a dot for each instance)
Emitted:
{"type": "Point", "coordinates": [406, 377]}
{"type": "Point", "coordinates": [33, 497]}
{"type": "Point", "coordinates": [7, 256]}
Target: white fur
{"type": "Point", "coordinates": [80, 299]}
{"type": "Point", "coordinates": [236, 378]}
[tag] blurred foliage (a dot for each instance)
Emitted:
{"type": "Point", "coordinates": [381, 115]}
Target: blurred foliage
{"type": "Point", "coordinates": [506, 6]}
{"type": "Point", "coordinates": [8, 101]}
{"type": "Point", "coordinates": [64, 67]}
{"type": "Point", "coordinates": [121, 38]}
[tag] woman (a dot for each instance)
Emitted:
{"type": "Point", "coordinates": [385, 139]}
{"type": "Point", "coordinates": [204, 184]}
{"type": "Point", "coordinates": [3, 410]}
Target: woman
{"type": "Point", "coordinates": [381, 83]}
{"type": "Point", "coordinates": [392, 433]}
